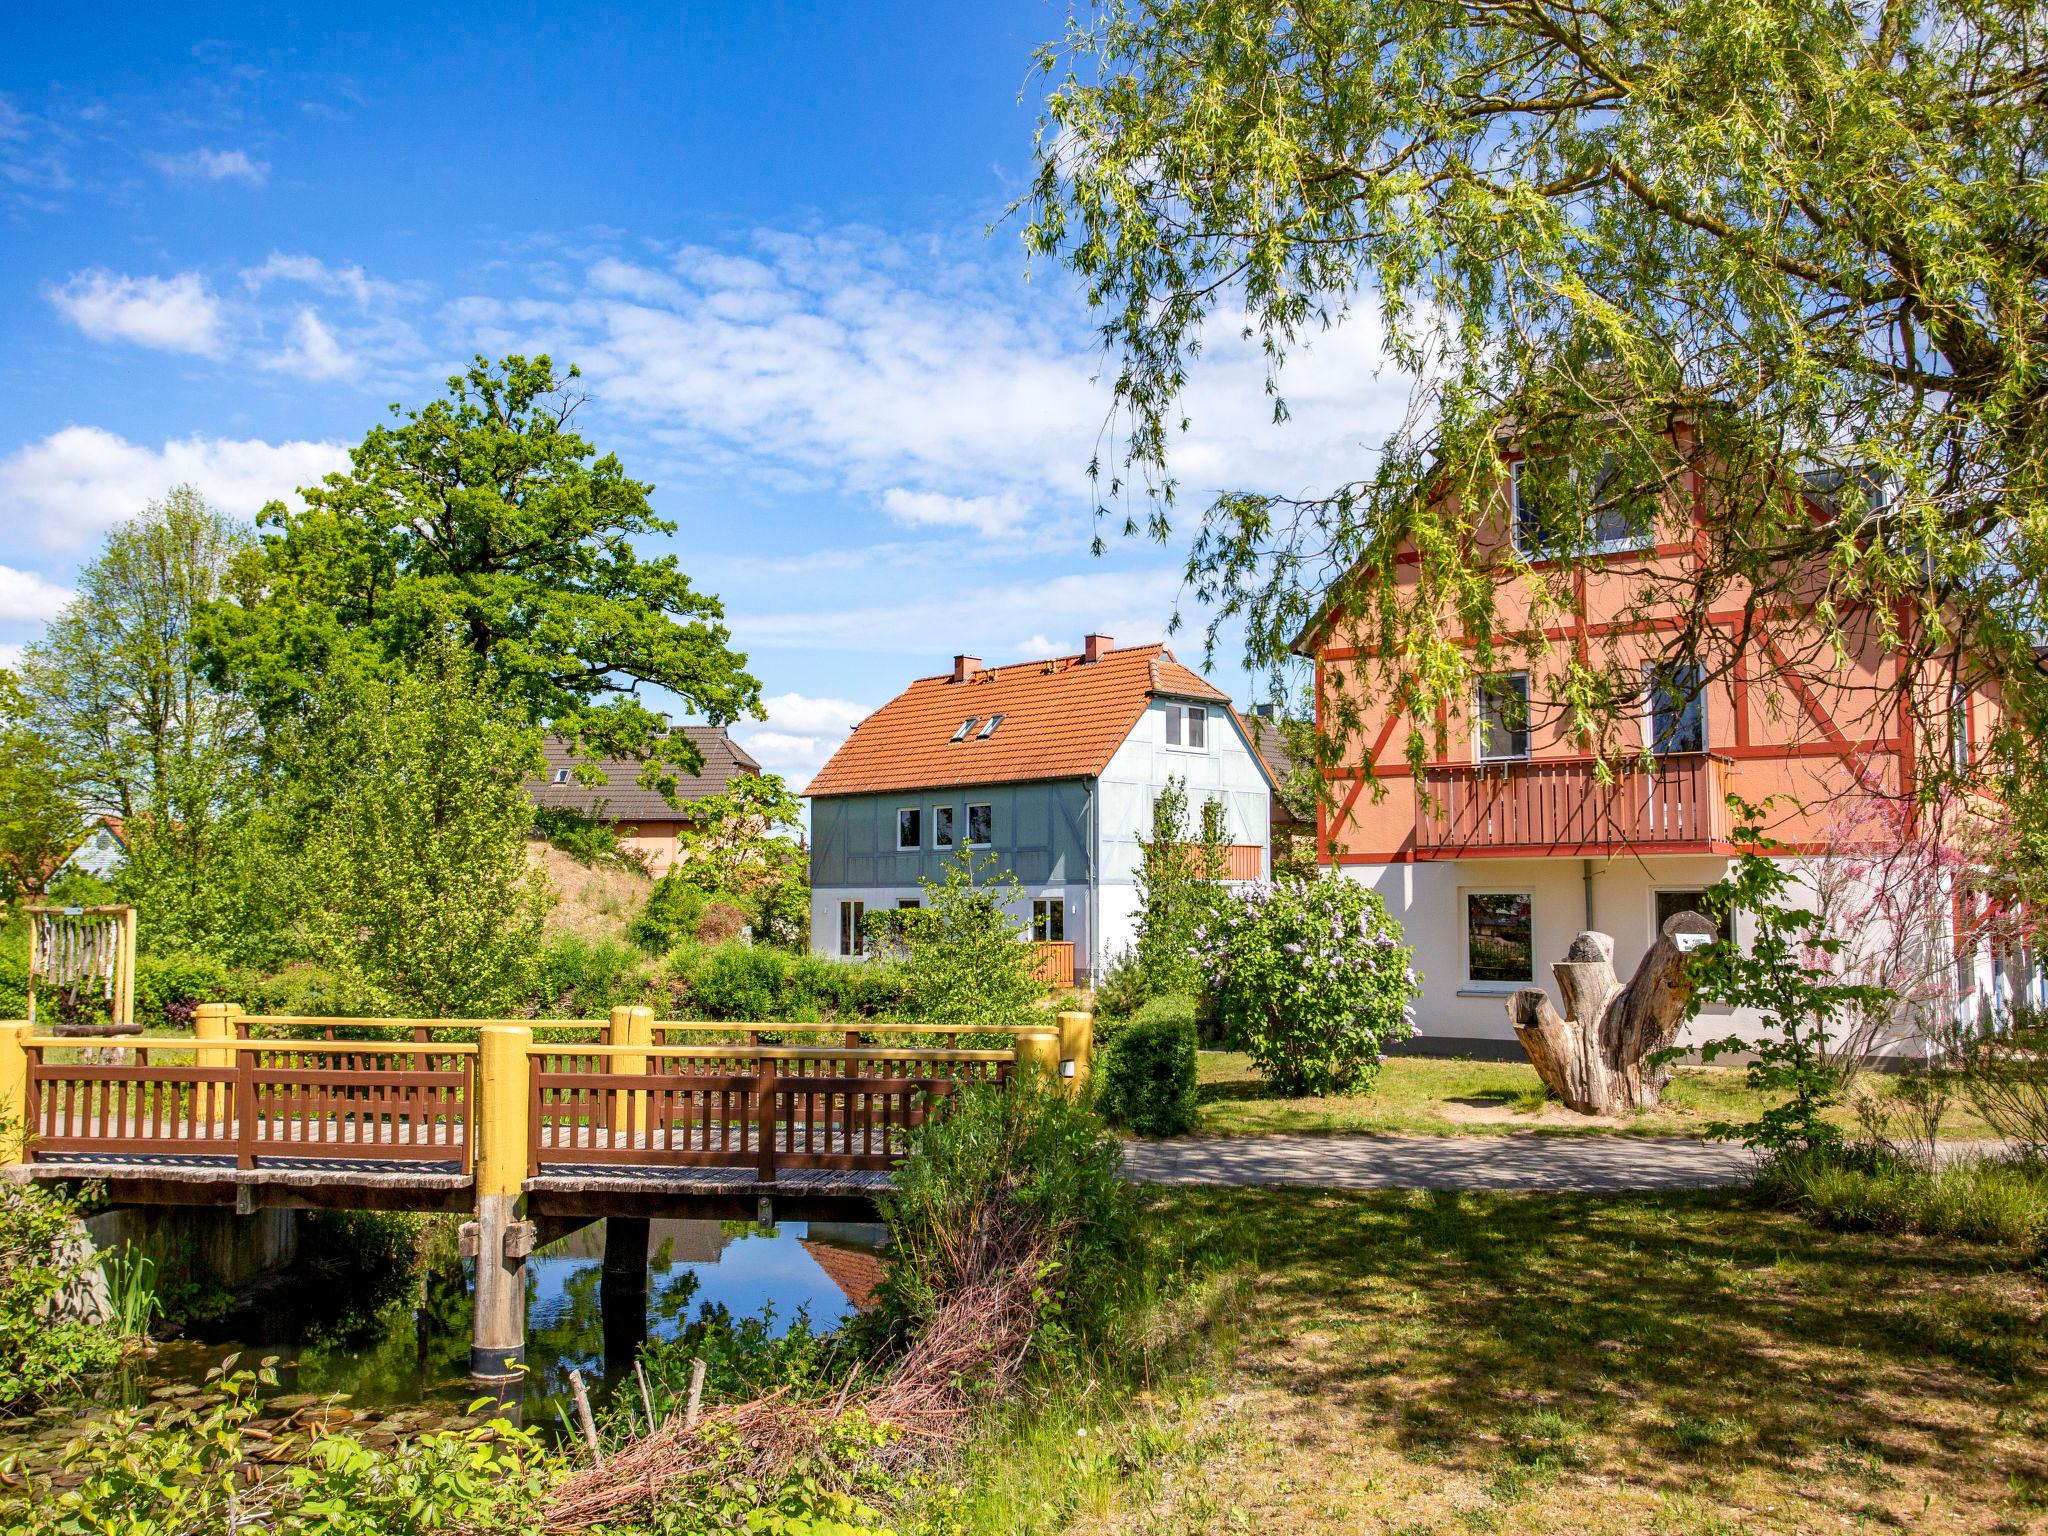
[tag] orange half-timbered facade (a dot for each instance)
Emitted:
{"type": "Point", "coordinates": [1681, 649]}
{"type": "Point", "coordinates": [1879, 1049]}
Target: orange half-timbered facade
{"type": "Point", "coordinates": [1520, 828]}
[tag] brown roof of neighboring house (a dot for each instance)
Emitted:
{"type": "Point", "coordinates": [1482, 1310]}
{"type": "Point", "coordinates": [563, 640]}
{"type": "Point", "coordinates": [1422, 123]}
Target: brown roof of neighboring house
{"type": "Point", "coordinates": [1062, 718]}
{"type": "Point", "coordinates": [1271, 744]}
{"type": "Point", "coordinates": [624, 800]}
{"type": "Point", "coordinates": [856, 1273]}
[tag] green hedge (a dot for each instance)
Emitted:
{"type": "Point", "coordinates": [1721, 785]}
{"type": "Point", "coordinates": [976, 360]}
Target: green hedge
{"type": "Point", "coordinates": [1147, 1078]}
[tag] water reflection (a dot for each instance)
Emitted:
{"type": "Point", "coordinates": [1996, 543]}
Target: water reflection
{"type": "Point", "coordinates": [410, 1351]}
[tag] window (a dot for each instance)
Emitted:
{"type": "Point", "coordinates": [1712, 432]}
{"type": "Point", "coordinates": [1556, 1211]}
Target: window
{"type": "Point", "coordinates": [561, 775]}
{"type": "Point", "coordinates": [852, 916]}
{"type": "Point", "coordinates": [965, 726]}
{"type": "Point", "coordinates": [1670, 903]}
{"type": "Point", "coordinates": [909, 830]}
{"type": "Point", "coordinates": [906, 903]}
{"type": "Point", "coordinates": [1498, 943]}
{"type": "Point", "coordinates": [1187, 725]}
{"type": "Point", "coordinates": [981, 825]}
{"type": "Point", "coordinates": [942, 826]}
{"type": "Point", "coordinates": [1049, 921]}
{"type": "Point", "coordinates": [1677, 707]}
{"type": "Point", "coordinates": [990, 729]}
{"type": "Point", "coordinates": [1535, 533]}
{"type": "Point", "coordinates": [1503, 717]}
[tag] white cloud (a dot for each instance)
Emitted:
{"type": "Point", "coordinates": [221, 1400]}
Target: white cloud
{"type": "Point", "coordinates": [993, 517]}
{"type": "Point", "coordinates": [312, 272]}
{"type": "Point", "coordinates": [26, 598]}
{"type": "Point", "coordinates": [175, 314]}
{"type": "Point", "coordinates": [984, 618]}
{"type": "Point", "coordinates": [66, 489]}
{"type": "Point", "coordinates": [312, 352]}
{"type": "Point", "coordinates": [800, 734]}
{"type": "Point", "coordinates": [213, 165]}
{"type": "Point", "coordinates": [10, 654]}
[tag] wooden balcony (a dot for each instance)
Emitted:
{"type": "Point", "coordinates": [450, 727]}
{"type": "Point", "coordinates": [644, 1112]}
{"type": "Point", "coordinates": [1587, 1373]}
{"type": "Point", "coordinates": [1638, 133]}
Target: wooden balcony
{"type": "Point", "coordinates": [1559, 806]}
{"type": "Point", "coordinates": [1052, 964]}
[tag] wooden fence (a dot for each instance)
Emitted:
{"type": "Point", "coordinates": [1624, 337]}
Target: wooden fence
{"type": "Point", "coordinates": [599, 1093]}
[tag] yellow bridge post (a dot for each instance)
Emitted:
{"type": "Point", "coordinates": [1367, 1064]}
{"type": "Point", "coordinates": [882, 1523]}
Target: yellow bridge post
{"type": "Point", "coordinates": [14, 1106]}
{"type": "Point", "coordinates": [635, 1027]}
{"type": "Point", "coordinates": [1038, 1050]}
{"type": "Point", "coordinates": [214, 1022]}
{"type": "Point", "coordinates": [497, 1343]}
{"type": "Point", "coordinates": [1077, 1048]}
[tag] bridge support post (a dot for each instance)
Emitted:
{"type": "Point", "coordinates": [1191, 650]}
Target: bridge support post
{"type": "Point", "coordinates": [622, 1294]}
{"type": "Point", "coordinates": [633, 1027]}
{"type": "Point", "coordinates": [1077, 1047]}
{"type": "Point", "coordinates": [214, 1022]}
{"type": "Point", "coordinates": [14, 1105]}
{"type": "Point", "coordinates": [497, 1340]}
{"type": "Point", "coordinates": [1038, 1051]}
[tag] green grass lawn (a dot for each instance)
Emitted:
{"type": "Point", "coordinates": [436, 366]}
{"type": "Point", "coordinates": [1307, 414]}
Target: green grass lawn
{"type": "Point", "coordinates": [1691, 1365]}
{"type": "Point", "coordinates": [1418, 1095]}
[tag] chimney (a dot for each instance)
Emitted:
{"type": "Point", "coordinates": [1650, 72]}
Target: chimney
{"type": "Point", "coordinates": [1095, 647]}
{"type": "Point", "coordinates": [965, 667]}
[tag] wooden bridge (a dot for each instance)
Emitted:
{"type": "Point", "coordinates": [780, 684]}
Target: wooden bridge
{"type": "Point", "coordinates": [537, 1126]}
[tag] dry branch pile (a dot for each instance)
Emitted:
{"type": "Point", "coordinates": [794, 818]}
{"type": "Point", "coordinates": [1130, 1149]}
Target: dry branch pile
{"type": "Point", "coordinates": [972, 1346]}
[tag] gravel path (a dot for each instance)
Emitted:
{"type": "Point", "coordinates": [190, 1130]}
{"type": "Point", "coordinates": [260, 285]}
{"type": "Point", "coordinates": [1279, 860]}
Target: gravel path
{"type": "Point", "coordinates": [1591, 1164]}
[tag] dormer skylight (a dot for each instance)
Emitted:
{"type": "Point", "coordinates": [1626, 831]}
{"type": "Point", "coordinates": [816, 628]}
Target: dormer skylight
{"type": "Point", "coordinates": [966, 726]}
{"type": "Point", "coordinates": [990, 729]}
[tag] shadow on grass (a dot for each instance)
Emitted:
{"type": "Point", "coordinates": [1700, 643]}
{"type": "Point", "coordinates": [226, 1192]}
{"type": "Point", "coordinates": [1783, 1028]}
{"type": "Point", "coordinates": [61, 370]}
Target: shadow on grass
{"type": "Point", "coordinates": [1671, 1339]}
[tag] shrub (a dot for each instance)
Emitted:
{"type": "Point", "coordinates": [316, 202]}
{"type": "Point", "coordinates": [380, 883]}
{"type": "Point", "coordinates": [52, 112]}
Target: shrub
{"type": "Point", "coordinates": [721, 923]}
{"type": "Point", "coordinates": [673, 911]}
{"type": "Point", "coordinates": [168, 987]}
{"type": "Point", "coordinates": [965, 959]}
{"type": "Point", "coordinates": [741, 981]}
{"type": "Point", "coordinates": [1980, 1200]}
{"type": "Point", "coordinates": [1146, 1081]}
{"type": "Point", "coordinates": [586, 977]}
{"type": "Point", "coordinates": [39, 1261]}
{"type": "Point", "coordinates": [589, 840]}
{"type": "Point", "coordinates": [1120, 990]}
{"type": "Point", "coordinates": [1180, 872]}
{"type": "Point", "coordinates": [1017, 1174]}
{"type": "Point", "coordinates": [2005, 1073]}
{"type": "Point", "coordinates": [1312, 979]}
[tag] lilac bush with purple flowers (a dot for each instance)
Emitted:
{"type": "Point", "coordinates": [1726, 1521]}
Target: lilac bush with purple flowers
{"type": "Point", "coordinates": [1312, 980]}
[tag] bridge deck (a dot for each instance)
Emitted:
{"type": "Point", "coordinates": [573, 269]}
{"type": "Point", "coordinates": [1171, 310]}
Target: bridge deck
{"type": "Point", "coordinates": [564, 1189]}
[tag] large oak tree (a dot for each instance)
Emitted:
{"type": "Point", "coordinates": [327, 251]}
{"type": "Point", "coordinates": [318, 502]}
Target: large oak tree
{"type": "Point", "coordinates": [484, 514]}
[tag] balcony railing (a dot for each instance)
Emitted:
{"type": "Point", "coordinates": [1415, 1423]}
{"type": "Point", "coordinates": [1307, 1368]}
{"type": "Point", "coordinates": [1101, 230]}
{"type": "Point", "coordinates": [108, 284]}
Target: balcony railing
{"type": "Point", "coordinates": [1561, 806]}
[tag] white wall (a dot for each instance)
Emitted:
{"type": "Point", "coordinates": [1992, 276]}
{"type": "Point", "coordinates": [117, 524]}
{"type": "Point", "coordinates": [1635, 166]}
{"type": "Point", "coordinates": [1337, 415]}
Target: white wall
{"type": "Point", "coordinates": [1428, 899]}
{"type": "Point", "coordinates": [1226, 768]}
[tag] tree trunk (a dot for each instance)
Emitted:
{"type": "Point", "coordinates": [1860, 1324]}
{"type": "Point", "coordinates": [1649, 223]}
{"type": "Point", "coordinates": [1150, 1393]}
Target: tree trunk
{"type": "Point", "coordinates": [1593, 1055]}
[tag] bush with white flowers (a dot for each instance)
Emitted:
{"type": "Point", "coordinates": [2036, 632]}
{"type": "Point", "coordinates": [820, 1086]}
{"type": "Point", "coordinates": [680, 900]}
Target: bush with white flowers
{"type": "Point", "coordinates": [1312, 980]}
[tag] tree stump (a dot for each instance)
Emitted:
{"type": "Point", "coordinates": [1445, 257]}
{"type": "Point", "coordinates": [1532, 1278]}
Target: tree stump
{"type": "Point", "coordinates": [1592, 1056]}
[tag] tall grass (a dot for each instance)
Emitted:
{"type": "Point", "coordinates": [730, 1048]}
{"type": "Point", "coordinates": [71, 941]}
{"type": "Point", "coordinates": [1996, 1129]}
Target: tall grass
{"type": "Point", "coordinates": [1983, 1200]}
{"type": "Point", "coordinates": [131, 1286]}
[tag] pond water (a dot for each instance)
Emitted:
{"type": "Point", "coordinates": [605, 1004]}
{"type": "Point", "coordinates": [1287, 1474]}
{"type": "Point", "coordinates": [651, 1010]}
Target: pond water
{"type": "Point", "coordinates": [401, 1361]}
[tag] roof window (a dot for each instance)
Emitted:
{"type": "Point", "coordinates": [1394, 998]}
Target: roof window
{"type": "Point", "coordinates": [561, 775]}
{"type": "Point", "coordinates": [966, 726]}
{"type": "Point", "coordinates": [990, 729]}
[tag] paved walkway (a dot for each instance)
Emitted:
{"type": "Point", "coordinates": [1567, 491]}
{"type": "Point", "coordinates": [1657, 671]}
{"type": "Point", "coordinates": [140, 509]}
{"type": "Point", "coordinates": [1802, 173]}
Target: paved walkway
{"type": "Point", "coordinates": [1591, 1164]}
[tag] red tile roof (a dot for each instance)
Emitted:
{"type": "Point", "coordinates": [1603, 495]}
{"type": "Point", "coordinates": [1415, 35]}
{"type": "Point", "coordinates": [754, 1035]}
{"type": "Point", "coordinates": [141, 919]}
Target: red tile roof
{"type": "Point", "coordinates": [1062, 719]}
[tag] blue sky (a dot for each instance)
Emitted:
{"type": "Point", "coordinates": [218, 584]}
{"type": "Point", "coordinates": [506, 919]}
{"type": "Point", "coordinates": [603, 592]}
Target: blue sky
{"type": "Point", "coordinates": [230, 238]}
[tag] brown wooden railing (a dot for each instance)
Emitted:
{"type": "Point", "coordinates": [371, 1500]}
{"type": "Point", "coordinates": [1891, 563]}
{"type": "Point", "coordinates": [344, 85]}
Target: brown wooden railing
{"type": "Point", "coordinates": [256, 1099]}
{"type": "Point", "coordinates": [1244, 861]}
{"type": "Point", "coordinates": [765, 1108]}
{"type": "Point", "coordinates": [848, 1101]}
{"type": "Point", "coordinates": [1561, 806]}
